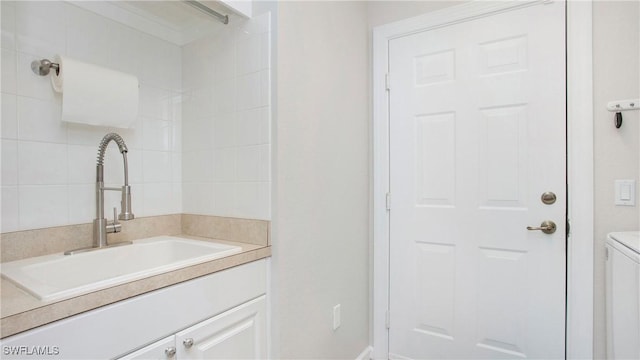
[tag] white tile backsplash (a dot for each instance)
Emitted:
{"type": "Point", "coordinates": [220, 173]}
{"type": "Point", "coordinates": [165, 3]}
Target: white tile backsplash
{"type": "Point", "coordinates": [198, 198]}
{"type": "Point", "coordinates": [39, 120]}
{"type": "Point", "coordinates": [248, 160]}
{"type": "Point", "coordinates": [9, 162]}
{"type": "Point", "coordinates": [248, 127]}
{"type": "Point", "coordinates": [136, 162]}
{"type": "Point", "coordinates": [238, 125]}
{"type": "Point", "coordinates": [156, 103]}
{"type": "Point", "coordinates": [123, 46]}
{"type": "Point", "coordinates": [224, 96]}
{"type": "Point", "coordinates": [43, 206]}
{"type": "Point", "coordinates": [176, 136]}
{"type": "Point", "coordinates": [158, 199]}
{"type": "Point", "coordinates": [82, 160]}
{"type": "Point", "coordinates": [197, 134]}
{"type": "Point", "coordinates": [10, 209]}
{"type": "Point", "coordinates": [265, 163]}
{"type": "Point", "coordinates": [9, 120]}
{"type": "Point", "coordinates": [202, 141]}
{"type": "Point", "coordinates": [156, 166]}
{"type": "Point", "coordinates": [248, 54]}
{"type": "Point", "coordinates": [225, 199]}
{"type": "Point", "coordinates": [87, 35]}
{"type": "Point", "coordinates": [200, 54]}
{"type": "Point", "coordinates": [224, 57]}
{"type": "Point", "coordinates": [42, 163]}
{"type": "Point", "coordinates": [176, 165]}
{"type": "Point", "coordinates": [224, 164]}
{"type": "Point", "coordinates": [8, 25]}
{"type": "Point", "coordinates": [176, 191]}
{"type": "Point", "coordinates": [251, 200]}
{"type": "Point", "coordinates": [157, 134]}
{"type": "Point", "coordinates": [8, 80]}
{"type": "Point", "coordinates": [159, 60]}
{"type": "Point", "coordinates": [113, 166]}
{"type": "Point", "coordinates": [265, 51]}
{"type": "Point", "coordinates": [265, 87]}
{"type": "Point", "coordinates": [36, 22]}
{"type": "Point", "coordinates": [248, 91]}
{"type": "Point", "coordinates": [198, 103]}
{"type": "Point", "coordinates": [81, 203]}
{"type": "Point", "coordinates": [224, 132]}
{"type": "Point", "coordinates": [265, 125]}
{"type": "Point", "coordinates": [197, 166]}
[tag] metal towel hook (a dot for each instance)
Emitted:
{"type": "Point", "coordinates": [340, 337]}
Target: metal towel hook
{"type": "Point", "coordinates": [42, 67]}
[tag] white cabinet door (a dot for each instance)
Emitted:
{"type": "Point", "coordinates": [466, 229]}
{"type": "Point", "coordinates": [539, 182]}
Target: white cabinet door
{"type": "Point", "coordinates": [239, 333]}
{"type": "Point", "coordinates": [164, 349]}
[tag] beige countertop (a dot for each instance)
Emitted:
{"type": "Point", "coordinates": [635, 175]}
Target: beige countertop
{"type": "Point", "coordinates": [20, 311]}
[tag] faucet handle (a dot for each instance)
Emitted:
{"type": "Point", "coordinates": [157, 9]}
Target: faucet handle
{"type": "Point", "coordinates": [115, 226]}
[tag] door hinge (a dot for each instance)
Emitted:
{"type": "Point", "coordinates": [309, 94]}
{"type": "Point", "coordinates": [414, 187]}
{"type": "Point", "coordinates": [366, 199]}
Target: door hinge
{"type": "Point", "coordinates": [387, 319]}
{"type": "Point", "coordinates": [388, 201]}
{"type": "Point", "coordinates": [568, 228]}
{"type": "Point", "coordinates": [387, 82]}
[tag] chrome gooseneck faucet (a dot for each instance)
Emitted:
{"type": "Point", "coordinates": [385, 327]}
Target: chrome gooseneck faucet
{"type": "Point", "coordinates": [101, 227]}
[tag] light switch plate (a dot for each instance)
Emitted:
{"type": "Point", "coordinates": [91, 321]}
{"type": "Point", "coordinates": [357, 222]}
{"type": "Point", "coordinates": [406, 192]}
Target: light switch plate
{"type": "Point", "coordinates": [625, 192]}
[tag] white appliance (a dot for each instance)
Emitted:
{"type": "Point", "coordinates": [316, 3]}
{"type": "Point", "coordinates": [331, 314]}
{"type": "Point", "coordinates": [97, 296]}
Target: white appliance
{"type": "Point", "coordinates": [623, 295]}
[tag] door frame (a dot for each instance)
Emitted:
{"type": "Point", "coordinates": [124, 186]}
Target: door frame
{"type": "Point", "coordinates": [580, 242]}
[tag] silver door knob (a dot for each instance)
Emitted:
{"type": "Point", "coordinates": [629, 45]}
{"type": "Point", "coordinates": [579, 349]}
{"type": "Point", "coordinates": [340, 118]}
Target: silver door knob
{"type": "Point", "coordinates": [547, 227]}
{"type": "Point", "coordinates": [188, 343]}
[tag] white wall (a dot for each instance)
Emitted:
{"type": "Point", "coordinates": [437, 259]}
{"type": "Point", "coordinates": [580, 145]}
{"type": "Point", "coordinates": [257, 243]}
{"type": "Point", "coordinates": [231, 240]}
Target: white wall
{"type": "Point", "coordinates": [616, 62]}
{"type": "Point", "coordinates": [320, 233]}
{"type": "Point", "coordinates": [48, 167]}
{"type": "Point", "coordinates": [226, 121]}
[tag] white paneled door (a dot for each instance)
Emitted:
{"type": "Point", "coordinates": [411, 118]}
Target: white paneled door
{"type": "Point", "coordinates": [477, 135]}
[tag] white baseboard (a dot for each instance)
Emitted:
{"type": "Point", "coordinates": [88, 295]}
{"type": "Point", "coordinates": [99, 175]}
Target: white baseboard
{"type": "Point", "coordinates": [365, 354]}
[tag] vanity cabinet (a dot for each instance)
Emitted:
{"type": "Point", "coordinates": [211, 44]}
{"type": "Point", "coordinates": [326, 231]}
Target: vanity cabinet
{"type": "Point", "coordinates": [239, 333]}
{"type": "Point", "coordinates": [224, 313]}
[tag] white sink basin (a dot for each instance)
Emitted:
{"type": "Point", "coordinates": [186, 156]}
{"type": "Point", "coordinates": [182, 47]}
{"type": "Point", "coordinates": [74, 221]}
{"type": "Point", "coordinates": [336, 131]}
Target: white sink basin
{"type": "Point", "coordinates": [54, 277]}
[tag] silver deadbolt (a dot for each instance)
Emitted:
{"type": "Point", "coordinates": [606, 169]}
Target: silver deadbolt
{"type": "Point", "coordinates": [548, 198]}
{"type": "Point", "coordinates": [547, 227]}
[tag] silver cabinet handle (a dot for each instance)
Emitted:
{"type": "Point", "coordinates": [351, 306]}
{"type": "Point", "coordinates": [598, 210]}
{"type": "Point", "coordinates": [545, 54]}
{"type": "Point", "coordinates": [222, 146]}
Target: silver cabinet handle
{"type": "Point", "coordinates": [547, 227]}
{"type": "Point", "coordinates": [170, 351]}
{"type": "Point", "coordinates": [188, 342]}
